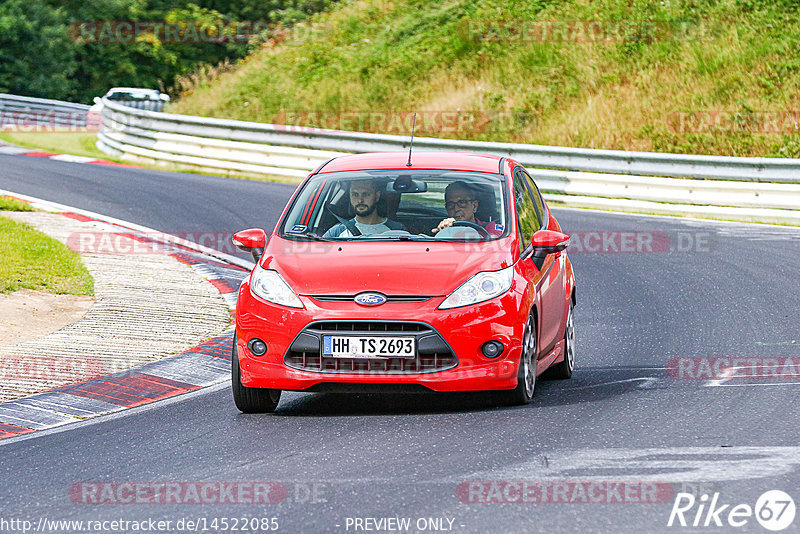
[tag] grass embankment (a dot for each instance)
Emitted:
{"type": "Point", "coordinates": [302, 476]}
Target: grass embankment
{"type": "Point", "coordinates": [650, 89]}
{"type": "Point", "coordinates": [33, 260]}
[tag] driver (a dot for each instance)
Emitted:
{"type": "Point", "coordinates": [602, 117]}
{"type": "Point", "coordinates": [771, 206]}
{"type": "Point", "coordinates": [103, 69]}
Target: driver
{"type": "Point", "coordinates": [364, 197]}
{"type": "Point", "coordinates": [461, 205]}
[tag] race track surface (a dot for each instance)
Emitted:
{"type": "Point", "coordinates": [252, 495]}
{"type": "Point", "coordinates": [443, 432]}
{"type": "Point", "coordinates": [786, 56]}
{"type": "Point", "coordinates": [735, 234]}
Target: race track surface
{"type": "Point", "coordinates": [705, 290]}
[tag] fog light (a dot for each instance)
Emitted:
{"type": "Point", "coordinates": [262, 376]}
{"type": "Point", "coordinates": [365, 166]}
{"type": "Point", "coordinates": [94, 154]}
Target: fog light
{"type": "Point", "coordinates": [492, 349]}
{"type": "Point", "coordinates": [257, 347]}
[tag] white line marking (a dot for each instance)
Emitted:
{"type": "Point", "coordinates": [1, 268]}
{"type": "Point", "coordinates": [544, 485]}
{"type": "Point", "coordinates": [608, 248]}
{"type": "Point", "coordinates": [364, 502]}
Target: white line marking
{"type": "Point", "coordinates": [72, 159]}
{"type": "Point", "coordinates": [669, 465]}
{"type": "Point", "coordinates": [726, 375]}
{"type": "Point", "coordinates": [672, 464]}
{"type": "Point", "coordinates": [648, 382]}
{"type": "Point", "coordinates": [759, 385]}
{"type": "Point", "coordinates": [729, 373]}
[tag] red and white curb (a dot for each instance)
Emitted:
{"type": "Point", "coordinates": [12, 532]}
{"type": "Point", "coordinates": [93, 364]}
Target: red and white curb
{"type": "Point", "coordinates": [21, 151]}
{"type": "Point", "coordinates": [204, 365]}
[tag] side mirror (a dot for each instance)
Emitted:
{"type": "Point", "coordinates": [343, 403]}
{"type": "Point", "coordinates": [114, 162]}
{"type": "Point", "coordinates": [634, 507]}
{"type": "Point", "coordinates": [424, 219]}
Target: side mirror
{"type": "Point", "coordinates": [253, 241]}
{"type": "Point", "coordinates": [547, 242]}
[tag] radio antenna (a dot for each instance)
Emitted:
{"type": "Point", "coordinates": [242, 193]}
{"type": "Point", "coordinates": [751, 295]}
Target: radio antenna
{"type": "Point", "coordinates": [411, 144]}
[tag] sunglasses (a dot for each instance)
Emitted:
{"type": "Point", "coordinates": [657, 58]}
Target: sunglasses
{"type": "Point", "coordinates": [460, 203]}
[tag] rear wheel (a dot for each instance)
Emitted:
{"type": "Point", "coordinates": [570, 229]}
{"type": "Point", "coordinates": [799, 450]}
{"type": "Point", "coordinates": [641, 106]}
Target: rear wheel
{"type": "Point", "coordinates": [563, 369]}
{"type": "Point", "coordinates": [526, 375]}
{"type": "Point", "coordinates": [250, 400]}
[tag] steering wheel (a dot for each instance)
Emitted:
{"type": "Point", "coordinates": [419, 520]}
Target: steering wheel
{"type": "Point", "coordinates": [477, 227]}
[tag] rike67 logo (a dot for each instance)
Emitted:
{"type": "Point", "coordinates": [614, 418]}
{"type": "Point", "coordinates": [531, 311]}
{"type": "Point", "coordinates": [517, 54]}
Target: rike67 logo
{"type": "Point", "coordinates": [774, 510]}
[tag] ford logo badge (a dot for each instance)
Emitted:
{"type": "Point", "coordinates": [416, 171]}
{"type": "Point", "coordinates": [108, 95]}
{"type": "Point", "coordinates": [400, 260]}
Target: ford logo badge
{"type": "Point", "coordinates": [370, 299]}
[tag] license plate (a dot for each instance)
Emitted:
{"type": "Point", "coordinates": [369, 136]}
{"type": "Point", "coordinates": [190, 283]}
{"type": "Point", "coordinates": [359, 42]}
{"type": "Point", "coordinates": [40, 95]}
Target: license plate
{"type": "Point", "coordinates": [368, 347]}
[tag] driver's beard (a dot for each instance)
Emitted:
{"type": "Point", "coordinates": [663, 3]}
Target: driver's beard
{"type": "Point", "coordinates": [369, 211]}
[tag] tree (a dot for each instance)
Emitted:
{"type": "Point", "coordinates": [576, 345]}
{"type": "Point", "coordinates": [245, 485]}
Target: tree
{"type": "Point", "coordinates": [37, 57]}
{"type": "Point", "coordinates": [47, 47]}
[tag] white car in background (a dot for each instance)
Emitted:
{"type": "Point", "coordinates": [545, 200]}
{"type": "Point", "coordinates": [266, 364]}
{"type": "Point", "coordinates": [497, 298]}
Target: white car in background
{"type": "Point", "coordinates": [135, 97]}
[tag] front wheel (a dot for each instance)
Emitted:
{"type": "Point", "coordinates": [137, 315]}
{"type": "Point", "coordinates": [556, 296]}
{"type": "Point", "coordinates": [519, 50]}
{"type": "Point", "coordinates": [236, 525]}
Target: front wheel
{"type": "Point", "coordinates": [526, 375]}
{"type": "Point", "coordinates": [250, 400]}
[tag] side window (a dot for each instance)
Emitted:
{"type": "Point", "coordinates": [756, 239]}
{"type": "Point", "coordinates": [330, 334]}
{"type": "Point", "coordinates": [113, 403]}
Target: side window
{"type": "Point", "coordinates": [541, 211]}
{"type": "Point", "coordinates": [322, 219]}
{"type": "Point", "coordinates": [527, 217]}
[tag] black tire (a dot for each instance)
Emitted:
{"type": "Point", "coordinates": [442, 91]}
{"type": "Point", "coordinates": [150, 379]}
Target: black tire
{"type": "Point", "coordinates": [563, 369]}
{"type": "Point", "coordinates": [250, 400]}
{"type": "Point", "coordinates": [526, 375]}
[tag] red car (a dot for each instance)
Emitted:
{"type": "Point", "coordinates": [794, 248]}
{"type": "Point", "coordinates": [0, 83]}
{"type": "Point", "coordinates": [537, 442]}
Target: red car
{"type": "Point", "coordinates": [442, 272]}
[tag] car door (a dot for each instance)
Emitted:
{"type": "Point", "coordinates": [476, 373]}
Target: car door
{"type": "Point", "coordinates": [545, 273]}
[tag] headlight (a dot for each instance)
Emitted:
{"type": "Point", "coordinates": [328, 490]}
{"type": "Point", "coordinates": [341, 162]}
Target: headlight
{"type": "Point", "coordinates": [270, 286]}
{"type": "Point", "coordinates": [483, 286]}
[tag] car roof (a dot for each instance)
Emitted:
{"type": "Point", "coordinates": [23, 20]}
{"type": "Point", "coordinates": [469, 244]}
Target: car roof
{"type": "Point", "coordinates": [132, 90]}
{"type": "Point", "coordinates": [458, 161]}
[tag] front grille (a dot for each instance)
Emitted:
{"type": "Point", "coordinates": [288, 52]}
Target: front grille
{"type": "Point", "coordinates": [433, 353]}
{"type": "Point", "coordinates": [305, 361]}
{"type": "Point", "coordinates": [383, 327]}
{"type": "Point", "coordinates": [351, 298]}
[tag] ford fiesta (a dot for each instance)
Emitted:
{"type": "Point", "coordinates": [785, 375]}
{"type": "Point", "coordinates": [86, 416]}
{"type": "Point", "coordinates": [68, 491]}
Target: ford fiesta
{"type": "Point", "coordinates": [443, 272]}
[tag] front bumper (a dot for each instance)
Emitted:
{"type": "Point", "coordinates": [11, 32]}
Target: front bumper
{"type": "Point", "coordinates": [463, 330]}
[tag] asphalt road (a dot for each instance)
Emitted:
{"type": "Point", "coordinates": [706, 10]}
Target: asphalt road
{"type": "Point", "coordinates": [716, 290]}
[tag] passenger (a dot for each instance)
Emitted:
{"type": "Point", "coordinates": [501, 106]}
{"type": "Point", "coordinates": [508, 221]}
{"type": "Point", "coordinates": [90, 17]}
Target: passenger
{"type": "Point", "coordinates": [364, 197]}
{"type": "Point", "coordinates": [461, 205]}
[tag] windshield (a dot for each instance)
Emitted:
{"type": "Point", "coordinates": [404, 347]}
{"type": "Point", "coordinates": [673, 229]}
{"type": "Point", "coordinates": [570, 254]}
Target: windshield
{"type": "Point", "coordinates": [399, 205]}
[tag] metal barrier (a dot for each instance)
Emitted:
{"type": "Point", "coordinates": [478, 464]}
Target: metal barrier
{"type": "Point", "coordinates": [22, 112]}
{"type": "Point", "coordinates": [749, 189]}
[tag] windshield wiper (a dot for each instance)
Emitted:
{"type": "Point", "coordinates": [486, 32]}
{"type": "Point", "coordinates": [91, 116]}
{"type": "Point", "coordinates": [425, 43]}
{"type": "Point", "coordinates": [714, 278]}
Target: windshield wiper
{"type": "Point", "coordinates": [378, 237]}
{"type": "Point", "coordinates": [313, 236]}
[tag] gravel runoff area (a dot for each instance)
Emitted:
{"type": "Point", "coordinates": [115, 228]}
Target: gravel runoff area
{"type": "Point", "coordinates": [147, 306]}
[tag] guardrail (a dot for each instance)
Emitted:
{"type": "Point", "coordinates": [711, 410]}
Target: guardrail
{"type": "Point", "coordinates": [23, 111]}
{"type": "Point", "coordinates": [750, 189]}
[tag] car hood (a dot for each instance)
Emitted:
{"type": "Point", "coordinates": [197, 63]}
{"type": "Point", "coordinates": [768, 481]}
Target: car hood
{"type": "Point", "coordinates": [397, 268]}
